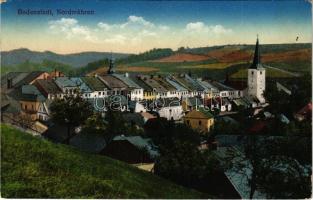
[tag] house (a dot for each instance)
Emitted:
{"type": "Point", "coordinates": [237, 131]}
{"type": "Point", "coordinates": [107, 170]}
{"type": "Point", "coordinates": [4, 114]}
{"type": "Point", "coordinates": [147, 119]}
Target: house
{"type": "Point", "coordinates": [55, 74]}
{"type": "Point", "coordinates": [226, 91]}
{"type": "Point", "coordinates": [304, 113]}
{"type": "Point", "coordinates": [97, 87]}
{"type": "Point", "coordinates": [191, 103]}
{"type": "Point", "coordinates": [66, 85]}
{"type": "Point", "coordinates": [48, 88]}
{"type": "Point", "coordinates": [170, 90]}
{"type": "Point", "coordinates": [83, 88]}
{"type": "Point", "coordinates": [15, 80]}
{"type": "Point", "coordinates": [137, 107]}
{"type": "Point", "coordinates": [158, 89]}
{"type": "Point", "coordinates": [180, 92]}
{"type": "Point", "coordinates": [91, 142]}
{"type": "Point", "coordinates": [210, 91]}
{"type": "Point", "coordinates": [148, 92]}
{"type": "Point", "coordinates": [134, 91]}
{"type": "Point", "coordinates": [147, 116]}
{"type": "Point", "coordinates": [116, 86]}
{"type": "Point", "coordinates": [200, 119]}
{"type": "Point", "coordinates": [135, 119]}
{"type": "Point", "coordinates": [43, 112]}
{"type": "Point", "coordinates": [131, 149]}
{"type": "Point", "coordinates": [169, 108]}
{"type": "Point", "coordinates": [30, 99]}
{"type": "Point", "coordinates": [56, 133]}
{"type": "Point", "coordinates": [193, 87]}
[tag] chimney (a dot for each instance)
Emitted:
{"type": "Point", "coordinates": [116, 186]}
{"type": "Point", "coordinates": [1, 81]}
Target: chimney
{"type": "Point", "coordinates": [126, 75]}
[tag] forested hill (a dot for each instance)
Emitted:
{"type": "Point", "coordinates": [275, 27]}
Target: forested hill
{"type": "Point", "coordinates": [19, 56]}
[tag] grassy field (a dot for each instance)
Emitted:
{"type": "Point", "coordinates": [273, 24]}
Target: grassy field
{"type": "Point", "coordinates": [35, 168]}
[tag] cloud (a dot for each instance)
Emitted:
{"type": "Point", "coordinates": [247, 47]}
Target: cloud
{"type": "Point", "coordinates": [137, 20]}
{"type": "Point", "coordinates": [104, 26]}
{"type": "Point", "coordinates": [200, 27]}
{"type": "Point", "coordinates": [219, 29]}
{"type": "Point", "coordinates": [71, 29]}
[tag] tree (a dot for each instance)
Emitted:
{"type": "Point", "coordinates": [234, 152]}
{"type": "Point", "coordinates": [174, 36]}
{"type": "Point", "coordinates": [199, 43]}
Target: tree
{"type": "Point", "coordinates": [115, 124]}
{"type": "Point", "coordinates": [95, 124]}
{"type": "Point", "coordinates": [180, 158]}
{"type": "Point", "coordinates": [269, 166]}
{"type": "Point", "coordinates": [71, 111]}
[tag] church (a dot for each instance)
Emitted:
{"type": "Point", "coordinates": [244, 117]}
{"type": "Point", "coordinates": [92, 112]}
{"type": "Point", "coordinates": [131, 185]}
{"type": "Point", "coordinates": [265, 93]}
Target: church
{"type": "Point", "coordinates": [256, 77]}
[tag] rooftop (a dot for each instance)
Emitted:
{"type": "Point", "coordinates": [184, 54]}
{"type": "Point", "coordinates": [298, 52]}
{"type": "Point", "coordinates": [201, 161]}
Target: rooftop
{"type": "Point", "coordinates": [48, 86]}
{"type": "Point", "coordinates": [129, 82]}
{"type": "Point", "coordinates": [94, 83]}
{"type": "Point", "coordinates": [112, 82]}
{"type": "Point", "coordinates": [65, 82]}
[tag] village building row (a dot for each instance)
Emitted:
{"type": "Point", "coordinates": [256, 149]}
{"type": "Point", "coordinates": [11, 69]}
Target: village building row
{"type": "Point", "coordinates": [170, 96]}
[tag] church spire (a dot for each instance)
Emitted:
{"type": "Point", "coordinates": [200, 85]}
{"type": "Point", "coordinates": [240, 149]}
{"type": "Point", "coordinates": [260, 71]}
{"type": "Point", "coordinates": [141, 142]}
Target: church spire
{"type": "Point", "coordinates": [111, 65]}
{"type": "Point", "coordinates": [257, 58]}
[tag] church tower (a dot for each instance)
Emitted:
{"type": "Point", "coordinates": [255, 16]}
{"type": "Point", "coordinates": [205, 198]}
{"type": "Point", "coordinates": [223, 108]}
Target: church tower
{"type": "Point", "coordinates": [256, 76]}
{"type": "Point", "coordinates": [111, 65]}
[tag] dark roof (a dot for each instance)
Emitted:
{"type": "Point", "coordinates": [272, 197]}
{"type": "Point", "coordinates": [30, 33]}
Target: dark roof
{"type": "Point", "coordinates": [135, 118]}
{"type": "Point", "coordinates": [93, 143]}
{"type": "Point", "coordinates": [257, 58]}
{"type": "Point", "coordinates": [94, 83]}
{"type": "Point", "coordinates": [56, 133]}
{"type": "Point", "coordinates": [26, 93]}
{"type": "Point", "coordinates": [48, 86]}
{"type": "Point", "coordinates": [29, 78]}
{"type": "Point", "coordinates": [112, 82]}
{"type": "Point", "coordinates": [16, 77]}
{"type": "Point", "coordinates": [141, 83]}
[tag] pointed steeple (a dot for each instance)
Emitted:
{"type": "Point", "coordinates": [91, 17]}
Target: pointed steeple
{"type": "Point", "coordinates": [257, 58]}
{"type": "Point", "coordinates": [111, 65]}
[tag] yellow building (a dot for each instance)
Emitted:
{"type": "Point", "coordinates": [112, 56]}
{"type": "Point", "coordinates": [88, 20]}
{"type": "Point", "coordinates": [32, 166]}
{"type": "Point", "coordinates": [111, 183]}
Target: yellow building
{"type": "Point", "coordinates": [149, 95]}
{"type": "Point", "coordinates": [201, 120]}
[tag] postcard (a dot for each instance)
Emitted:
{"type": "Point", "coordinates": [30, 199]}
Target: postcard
{"type": "Point", "coordinates": [145, 99]}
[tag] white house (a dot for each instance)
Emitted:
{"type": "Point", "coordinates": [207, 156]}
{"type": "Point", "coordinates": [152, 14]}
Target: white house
{"type": "Point", "coordinates": [134, 91]}
{"type": "Point", "coordinates": [169, 108]}
{"type": "Point", "coordinates": [97, 88]}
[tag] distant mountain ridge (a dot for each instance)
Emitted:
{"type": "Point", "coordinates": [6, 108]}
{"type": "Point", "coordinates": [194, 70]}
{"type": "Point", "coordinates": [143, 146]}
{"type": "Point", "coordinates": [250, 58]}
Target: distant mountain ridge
{"type": "Point", "coordinates": [18, 56]}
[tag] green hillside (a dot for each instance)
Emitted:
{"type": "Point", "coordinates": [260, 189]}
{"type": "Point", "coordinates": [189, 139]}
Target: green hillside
{"type": "Point", "coordinates": [35, 168]}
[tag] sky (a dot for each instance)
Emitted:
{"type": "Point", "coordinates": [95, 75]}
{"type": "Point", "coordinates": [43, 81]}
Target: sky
{"type": "Point", "coordinates": [137, 26]}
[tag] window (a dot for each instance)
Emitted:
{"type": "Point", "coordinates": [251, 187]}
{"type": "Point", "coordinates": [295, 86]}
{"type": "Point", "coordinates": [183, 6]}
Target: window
{"type": "Point", "coordinates": [188, 122]}
{"type": "Point", "coordinates": [261, 73]}
{"type": "Point", "coordinates": [99, 93]}
{"type": "Point", "coordinates": [200, 123]}
{"type": "Point", "coordinates": [252, 72]}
